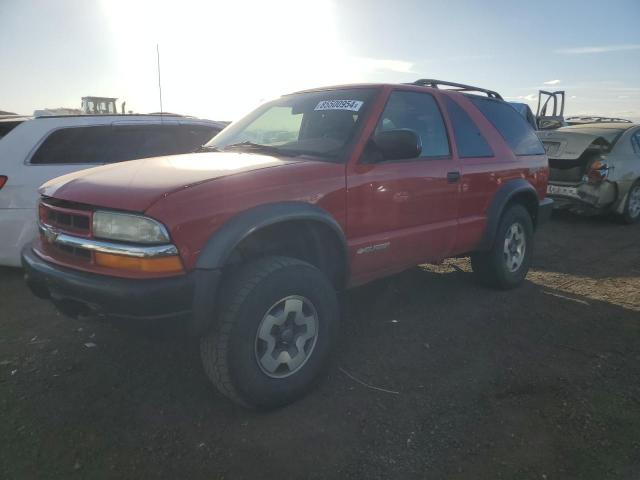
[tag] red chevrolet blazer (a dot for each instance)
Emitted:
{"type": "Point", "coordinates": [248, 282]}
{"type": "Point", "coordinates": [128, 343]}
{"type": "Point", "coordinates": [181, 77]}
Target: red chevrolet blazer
{"type": "Point", "coordinates": [249, 239]}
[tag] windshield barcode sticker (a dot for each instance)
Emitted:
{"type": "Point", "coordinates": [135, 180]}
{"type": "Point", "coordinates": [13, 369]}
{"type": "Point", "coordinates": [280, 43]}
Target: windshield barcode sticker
{"type": "Point", "coordinates": [353, 105]}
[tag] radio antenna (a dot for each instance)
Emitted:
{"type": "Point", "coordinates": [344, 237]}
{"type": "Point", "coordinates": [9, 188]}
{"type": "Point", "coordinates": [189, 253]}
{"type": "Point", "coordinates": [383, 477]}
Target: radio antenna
{"type": "Point", "coordinates": [159, 81]}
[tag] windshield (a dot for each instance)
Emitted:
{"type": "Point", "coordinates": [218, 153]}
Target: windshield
{"type": "Point", "coordinates": [314, 123]}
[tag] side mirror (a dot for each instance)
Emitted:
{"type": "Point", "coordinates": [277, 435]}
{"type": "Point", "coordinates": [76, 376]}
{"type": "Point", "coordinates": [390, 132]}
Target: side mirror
{"type": "Point", "coordinates": [398, 144]}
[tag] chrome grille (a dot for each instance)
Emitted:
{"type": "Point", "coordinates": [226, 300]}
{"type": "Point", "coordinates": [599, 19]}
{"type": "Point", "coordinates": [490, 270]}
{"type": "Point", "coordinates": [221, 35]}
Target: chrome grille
{"type": "Point", "coordinates": [66, 219]}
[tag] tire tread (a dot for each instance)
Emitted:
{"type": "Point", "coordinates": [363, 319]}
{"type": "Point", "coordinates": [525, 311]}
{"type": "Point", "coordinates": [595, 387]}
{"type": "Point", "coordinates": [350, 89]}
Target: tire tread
{"type": "Point", "coordinates": [487, 265]}
{"type": "Point", "coordinates": [215, 347]}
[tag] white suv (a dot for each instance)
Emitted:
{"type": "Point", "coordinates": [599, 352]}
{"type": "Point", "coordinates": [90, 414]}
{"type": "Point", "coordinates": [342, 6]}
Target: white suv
{"type": "Point", "coordinates": [35, 150]}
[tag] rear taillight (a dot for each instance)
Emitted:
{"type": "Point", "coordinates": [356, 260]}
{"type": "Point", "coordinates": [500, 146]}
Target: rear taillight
{"type": "Point", "coordinates": [3, 180]}
{"type": "Point", "coordinates": [598, 171]}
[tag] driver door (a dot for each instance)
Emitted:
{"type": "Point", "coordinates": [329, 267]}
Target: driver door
{"type": "Point", "coordinates": [402, 213]}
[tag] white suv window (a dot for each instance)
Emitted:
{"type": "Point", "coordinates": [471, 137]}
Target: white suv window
{"type": "Point", "coordinates": [6, 127]}
{"type": "Point", "coordinates": [107, 144]}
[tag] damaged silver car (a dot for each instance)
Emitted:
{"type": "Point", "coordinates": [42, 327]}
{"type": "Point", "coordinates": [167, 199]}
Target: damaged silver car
{"type": "Point", "coordinates": [595, 168]}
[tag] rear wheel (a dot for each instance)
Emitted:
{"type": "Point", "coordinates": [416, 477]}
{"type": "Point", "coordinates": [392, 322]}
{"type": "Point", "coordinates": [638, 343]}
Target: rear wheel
{"type": "Point", "coordinates": [277, 325]}
{"type": "Point", "coordinates": [507, 263]}
{"type": "Point", "coordinates": [632, 207]}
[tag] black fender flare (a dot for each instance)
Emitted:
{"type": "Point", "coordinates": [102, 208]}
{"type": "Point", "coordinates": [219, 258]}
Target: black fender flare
{"type": "Point", "coordinates": [501, 199]}
{"type": "Point", "coordinates": [223, 241]}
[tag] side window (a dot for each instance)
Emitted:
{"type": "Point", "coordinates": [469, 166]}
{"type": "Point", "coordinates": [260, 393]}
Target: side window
{"type": "Point", "coordinates": [6, 127]}
{"type": "Point", "coordinates": [194, 136]}
{"type": "Point", "coordinates": [512, 126]}
{"type": "Point", "coordinates": [75, 145]}
{"type": "Point", "coordinates": [469, 139]}
{"type": "Point", "coordinates": [108, 144]}
{"type": "Point", "coordinates": [143, 141]}
{"type": "Point", "coordinates": [635, 142]}
{"type": "Point", "coordinates": [418, 112]}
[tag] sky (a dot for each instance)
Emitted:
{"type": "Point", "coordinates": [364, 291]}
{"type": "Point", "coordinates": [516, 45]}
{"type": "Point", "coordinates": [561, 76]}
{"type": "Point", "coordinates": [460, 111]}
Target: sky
{"type": "Point", "coordinates": [221, 59]}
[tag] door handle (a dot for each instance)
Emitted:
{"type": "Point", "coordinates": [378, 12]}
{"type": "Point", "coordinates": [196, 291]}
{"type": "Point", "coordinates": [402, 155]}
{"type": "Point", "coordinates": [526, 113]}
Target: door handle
{"type": "Point", "coordinates": [453, 177]}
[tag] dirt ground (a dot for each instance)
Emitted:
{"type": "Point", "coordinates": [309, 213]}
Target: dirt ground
{"type": "Point", "coordinates": [542, 382]}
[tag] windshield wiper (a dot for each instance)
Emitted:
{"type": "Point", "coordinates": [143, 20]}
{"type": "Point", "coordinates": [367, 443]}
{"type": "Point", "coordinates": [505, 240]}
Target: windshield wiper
{"type": "Point", "coordinates": [282, 150]}
{"type": "Point", "coordinates": [207, 148]}
{"type": "Point", "coordinates": [258, 147]}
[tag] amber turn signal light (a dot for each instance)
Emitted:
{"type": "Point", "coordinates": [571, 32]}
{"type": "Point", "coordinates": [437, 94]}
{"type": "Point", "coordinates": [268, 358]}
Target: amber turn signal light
{"type": "Point", "coordinates": [171, 264]}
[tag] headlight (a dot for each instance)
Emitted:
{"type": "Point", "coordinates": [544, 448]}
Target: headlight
{"type": "Point", "coordinates": [128, 228]}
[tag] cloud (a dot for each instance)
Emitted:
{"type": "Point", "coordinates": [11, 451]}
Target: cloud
{"type": "Point", "coordinates": [597, 49]}
{"type": "Point", "coordinates": [552, 82]}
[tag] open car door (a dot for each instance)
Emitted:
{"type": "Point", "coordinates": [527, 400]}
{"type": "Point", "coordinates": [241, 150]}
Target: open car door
{"type": "Point", "coordinates": [550, 113]}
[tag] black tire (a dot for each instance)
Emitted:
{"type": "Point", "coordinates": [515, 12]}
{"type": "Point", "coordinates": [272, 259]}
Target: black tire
{"type": "Point", "coordinates": [491, 267]}
{"type": "Point", "coordinates": [230, 352]}
{"type": "Point", "coordinates": [628, 216]}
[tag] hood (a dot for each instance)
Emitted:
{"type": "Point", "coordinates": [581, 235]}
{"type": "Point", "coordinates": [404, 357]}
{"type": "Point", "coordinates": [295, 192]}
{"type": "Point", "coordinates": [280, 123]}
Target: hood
{"type": "Point", "coordinates": [570, 143]}
{"type": "Point", "coordinates": [135, 185]}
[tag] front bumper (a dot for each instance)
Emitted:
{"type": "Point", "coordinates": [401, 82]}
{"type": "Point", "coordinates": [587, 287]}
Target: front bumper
{"type": "Point", "coordinates": [78, 293]}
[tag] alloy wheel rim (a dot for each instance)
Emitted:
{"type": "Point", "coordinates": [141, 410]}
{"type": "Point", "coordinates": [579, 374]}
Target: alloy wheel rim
{"type": "Point", "coordinates": [286, 336]}
{"type": "Point", "coordinates": [634, 202]}
{"type": "Point", "coordinates": [515, 245]}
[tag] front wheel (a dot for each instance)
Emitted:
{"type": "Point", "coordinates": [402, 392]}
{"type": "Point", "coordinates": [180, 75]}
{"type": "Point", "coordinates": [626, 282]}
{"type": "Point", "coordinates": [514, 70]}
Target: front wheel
{"type": "Point", "coordinates": [277, 325]}
{"type": "Point", "coordinates": [507, 263]}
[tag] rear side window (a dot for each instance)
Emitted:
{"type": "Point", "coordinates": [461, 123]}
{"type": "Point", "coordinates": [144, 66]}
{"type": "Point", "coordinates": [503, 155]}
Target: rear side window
{"type": "Point", "coordinates": [75, 145]}
{"type": "Point", "coordinates": [420, 113]}
{"type": "Point", "coordinates": [6, 127]}
{"type": "Point", "coordinates": [469, 139]}
{"type": "Point", "coordinates": [131, 142]}
{"type": "Point", "coordinates": [194, 136]}
{"type": "Point", "coordinates": [512, 126]}
{"type": "Point", "coordinates": [108, 144]}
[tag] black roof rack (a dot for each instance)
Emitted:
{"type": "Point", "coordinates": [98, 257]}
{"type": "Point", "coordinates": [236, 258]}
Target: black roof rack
{"type": "Point", "coordinates": [459, 87]}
